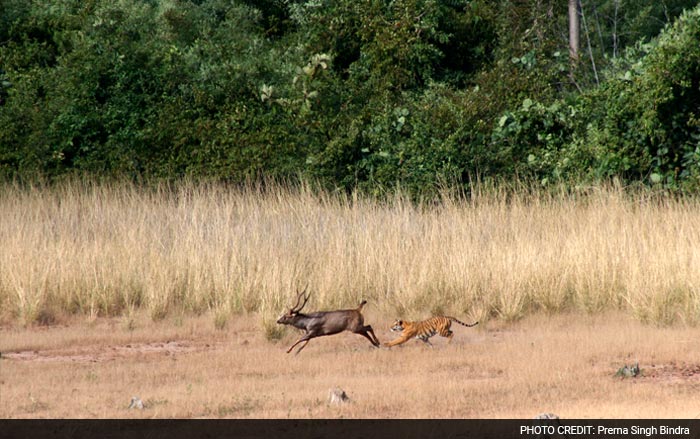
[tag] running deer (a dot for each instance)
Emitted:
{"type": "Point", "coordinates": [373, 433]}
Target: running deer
{"type": "Point", "coordinates": [317, 324]}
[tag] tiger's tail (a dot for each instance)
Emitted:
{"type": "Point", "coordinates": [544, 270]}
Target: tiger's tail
{"type": "Point", "coordinates": [462, 323]}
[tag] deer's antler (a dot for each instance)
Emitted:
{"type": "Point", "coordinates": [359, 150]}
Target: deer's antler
{"type": "Point", "coordinates": [299, 296]}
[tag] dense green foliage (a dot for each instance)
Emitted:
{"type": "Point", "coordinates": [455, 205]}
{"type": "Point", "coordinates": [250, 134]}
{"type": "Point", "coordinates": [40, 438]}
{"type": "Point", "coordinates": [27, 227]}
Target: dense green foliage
{"type": "Point", "coordinates": [353, 94]}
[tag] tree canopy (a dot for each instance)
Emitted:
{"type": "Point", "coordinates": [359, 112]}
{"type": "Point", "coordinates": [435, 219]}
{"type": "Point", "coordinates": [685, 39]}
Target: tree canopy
{"type": "Point", "coordinates": [352, 94]}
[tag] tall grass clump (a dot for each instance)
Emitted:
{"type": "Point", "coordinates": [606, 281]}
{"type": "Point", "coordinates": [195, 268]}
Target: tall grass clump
{"type": "Point", "coordinates": [101, 249]}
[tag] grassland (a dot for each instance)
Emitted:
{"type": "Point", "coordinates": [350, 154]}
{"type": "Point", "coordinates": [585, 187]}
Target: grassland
{"type": "Point", "coordinates": [108, 291]}
{"type": "Point", "coordinates": [94, 250]}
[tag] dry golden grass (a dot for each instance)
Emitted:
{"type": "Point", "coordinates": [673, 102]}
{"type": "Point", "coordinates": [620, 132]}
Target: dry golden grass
{"type": "Point", "coordinates": [562, 364]}
{"type": "Point", "coordinates": [171, 294]}
{"type": "Point", "coordinates": [93, 250]}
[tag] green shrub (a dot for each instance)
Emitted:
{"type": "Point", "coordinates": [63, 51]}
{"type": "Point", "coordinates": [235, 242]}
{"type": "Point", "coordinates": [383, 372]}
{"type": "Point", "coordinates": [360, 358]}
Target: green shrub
{"type": "Point", "coordinates": [643, 124]}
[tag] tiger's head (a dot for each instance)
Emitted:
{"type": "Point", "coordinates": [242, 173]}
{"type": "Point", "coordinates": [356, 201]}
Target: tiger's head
{"type": "Point", "coordinates": [398, 326]}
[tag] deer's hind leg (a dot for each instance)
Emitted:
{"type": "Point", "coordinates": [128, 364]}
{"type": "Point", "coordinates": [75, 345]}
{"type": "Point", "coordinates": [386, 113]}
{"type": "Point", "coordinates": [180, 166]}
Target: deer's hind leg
{"type": "Point", "coordinates": [368, 330]}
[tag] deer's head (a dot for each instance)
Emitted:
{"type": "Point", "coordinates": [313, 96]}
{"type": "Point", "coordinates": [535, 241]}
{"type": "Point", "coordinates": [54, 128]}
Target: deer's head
{"type": "Point", "coordinates": [290, 316]}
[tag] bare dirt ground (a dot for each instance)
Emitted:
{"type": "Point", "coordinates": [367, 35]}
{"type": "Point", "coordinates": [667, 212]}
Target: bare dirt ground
{"type": "Point", "coordinates": [562, 364]}
{"type": "Point", "coordinates": [99, 354]}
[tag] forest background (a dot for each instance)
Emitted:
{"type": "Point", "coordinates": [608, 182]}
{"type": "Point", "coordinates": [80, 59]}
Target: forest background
{"type": "Point", "coordinates": [352, 95]}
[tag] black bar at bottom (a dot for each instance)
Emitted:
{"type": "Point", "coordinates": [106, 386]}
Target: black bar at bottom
{"type": "Point", "coordinates": [351, 429]}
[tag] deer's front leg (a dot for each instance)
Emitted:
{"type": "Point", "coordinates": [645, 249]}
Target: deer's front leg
{"type": "Point", "coordinates": [306, 337]}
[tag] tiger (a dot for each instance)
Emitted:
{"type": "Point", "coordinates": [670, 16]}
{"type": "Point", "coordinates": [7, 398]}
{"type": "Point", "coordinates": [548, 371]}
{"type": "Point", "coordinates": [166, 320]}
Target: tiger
{"type": "Point", "coordinates": [425, 329]}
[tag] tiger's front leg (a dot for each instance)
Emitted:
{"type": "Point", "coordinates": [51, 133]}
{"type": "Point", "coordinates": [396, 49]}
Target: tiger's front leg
{"type": "Point", "coordinates": [395, 342]}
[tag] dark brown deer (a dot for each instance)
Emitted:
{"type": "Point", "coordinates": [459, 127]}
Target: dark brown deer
{"type": "Point", "coordinates": [317, 324]}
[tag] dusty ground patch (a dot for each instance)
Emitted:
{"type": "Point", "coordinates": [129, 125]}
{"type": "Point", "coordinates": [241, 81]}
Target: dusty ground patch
{"type": "Point", "coordinates": [680, 373]}
{"type": "Point", "coordinates": [560, 364]}
{"type": "Point", "coordinates": [98, 354]}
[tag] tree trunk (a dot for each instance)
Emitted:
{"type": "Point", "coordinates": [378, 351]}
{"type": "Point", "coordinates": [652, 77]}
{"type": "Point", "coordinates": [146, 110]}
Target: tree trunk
{"type": "Point", "coordinates": [573, 30]}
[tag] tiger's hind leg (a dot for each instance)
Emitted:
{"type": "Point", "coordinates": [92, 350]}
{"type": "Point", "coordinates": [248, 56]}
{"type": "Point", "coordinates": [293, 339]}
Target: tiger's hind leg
{"type": "Point", "coordinates": [426, 340]}
{"type": "Point", "coordinates": [447, 333]}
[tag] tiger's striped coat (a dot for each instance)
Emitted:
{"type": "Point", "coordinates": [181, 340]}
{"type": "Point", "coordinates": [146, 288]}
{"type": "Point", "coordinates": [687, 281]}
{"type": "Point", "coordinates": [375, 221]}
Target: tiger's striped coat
{"type": "Point", "coordinates": [425, 329]}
